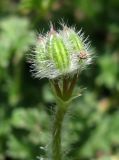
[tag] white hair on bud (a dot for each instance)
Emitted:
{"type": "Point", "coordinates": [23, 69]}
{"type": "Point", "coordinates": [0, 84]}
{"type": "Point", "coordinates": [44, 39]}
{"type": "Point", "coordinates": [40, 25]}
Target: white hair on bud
{"type": "Point", "coordinates": [44, 66]}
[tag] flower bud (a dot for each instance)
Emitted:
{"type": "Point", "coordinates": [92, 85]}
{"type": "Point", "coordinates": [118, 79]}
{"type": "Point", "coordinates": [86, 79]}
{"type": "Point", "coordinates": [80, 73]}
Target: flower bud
{"type": "Point", "coordinates": [60, 53]}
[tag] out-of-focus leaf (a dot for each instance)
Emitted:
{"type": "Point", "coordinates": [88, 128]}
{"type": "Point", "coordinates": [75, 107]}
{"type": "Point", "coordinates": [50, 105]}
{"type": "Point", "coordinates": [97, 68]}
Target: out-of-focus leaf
{"type": "Point", "coordinates": [18, 148]}
{"type": "Point", "coordinates": [15, 38]}
{"type": "Point", "coordinates": [109, 71]}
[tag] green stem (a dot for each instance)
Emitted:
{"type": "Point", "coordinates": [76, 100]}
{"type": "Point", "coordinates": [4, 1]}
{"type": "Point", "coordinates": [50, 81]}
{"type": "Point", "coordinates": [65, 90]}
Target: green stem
{"type": "Point", "coordinates": [57, 128]}
{"type": "Point", "coordinates": [64, 93]}
{"type": "Point", "coordinates": [65, 87]}
{"type": "Point", "coordinates": [72, 85]}
{"type": "Point", "coordinates": [57, 88]}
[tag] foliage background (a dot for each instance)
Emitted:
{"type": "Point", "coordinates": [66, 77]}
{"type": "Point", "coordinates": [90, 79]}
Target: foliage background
{"type": "Point", "coordinates": [27, 105]}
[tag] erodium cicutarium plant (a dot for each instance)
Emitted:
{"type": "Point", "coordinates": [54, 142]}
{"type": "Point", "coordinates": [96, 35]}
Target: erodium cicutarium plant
{"type": "Point", "coordinates": [60, 56]}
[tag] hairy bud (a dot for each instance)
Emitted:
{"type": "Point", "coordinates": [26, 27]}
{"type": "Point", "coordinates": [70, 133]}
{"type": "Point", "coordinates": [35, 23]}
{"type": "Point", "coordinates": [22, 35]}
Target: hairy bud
{"type": "Point", "coordinates": [60, 53]}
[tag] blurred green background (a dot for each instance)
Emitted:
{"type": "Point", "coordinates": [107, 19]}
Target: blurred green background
{"type": "Point", "coordinates": [27, 104]}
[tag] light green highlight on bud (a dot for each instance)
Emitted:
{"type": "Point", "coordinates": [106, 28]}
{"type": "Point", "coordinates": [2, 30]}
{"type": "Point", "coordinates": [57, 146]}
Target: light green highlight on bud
{"type": "Point", "coordinates": [76, 41]}
{"type": "Point", "coordinates": [58, 52]}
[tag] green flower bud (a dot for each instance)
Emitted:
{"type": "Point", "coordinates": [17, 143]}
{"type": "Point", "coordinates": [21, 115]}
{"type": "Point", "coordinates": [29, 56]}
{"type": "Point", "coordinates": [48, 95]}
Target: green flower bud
{"type": "Point", "coordinates": [60, 53]}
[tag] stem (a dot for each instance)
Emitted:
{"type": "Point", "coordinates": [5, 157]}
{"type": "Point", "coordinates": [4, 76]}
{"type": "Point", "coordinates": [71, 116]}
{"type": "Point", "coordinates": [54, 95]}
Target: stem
{"type": "Point", "coordinates": [64, 92]}
{"type": "Point", "coordinates": [57, 128]}
{"type": "Point", "coordinates": [65, 86]}
{"type": "Point", "coordinates": [57, 88]}
{"type": "Point", "coordinates": [72, 85]}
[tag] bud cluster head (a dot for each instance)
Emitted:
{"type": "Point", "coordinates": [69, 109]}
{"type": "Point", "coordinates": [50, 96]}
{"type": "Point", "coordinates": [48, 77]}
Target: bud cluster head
{"type": "Point", "coordinates": [60, 53]}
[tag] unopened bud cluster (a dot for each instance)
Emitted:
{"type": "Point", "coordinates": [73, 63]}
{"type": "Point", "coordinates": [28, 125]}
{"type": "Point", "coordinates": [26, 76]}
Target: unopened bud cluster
{"type": "Point", "coordinates": [60, 53]}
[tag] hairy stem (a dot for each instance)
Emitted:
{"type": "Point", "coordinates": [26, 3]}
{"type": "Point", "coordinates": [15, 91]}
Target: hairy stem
{"type": "Point", "coordinates": [65, 87]}
{"type": "Point", "coordinates": [64, 92]}
{"type": "Point", "coordinates": [72, 85]}
{"type": "Point", "coordinates": [57, 88]}
{"type": "Point", "coordinates": [57, 128]}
